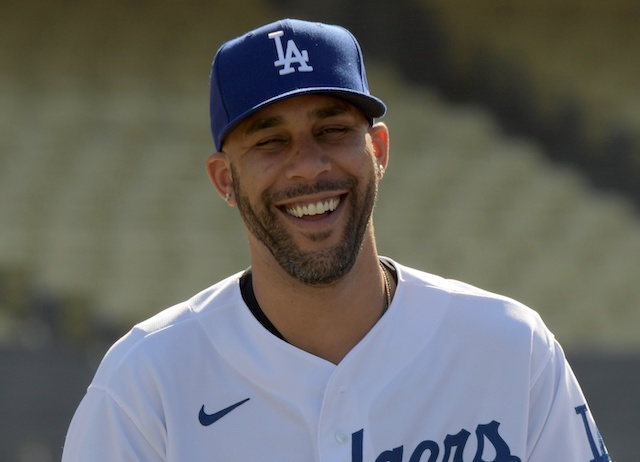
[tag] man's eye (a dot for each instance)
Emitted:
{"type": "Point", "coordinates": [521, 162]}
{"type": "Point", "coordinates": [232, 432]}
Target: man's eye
{"type": "Point", "coordinates": [333, 131]}
{"type": "Point", "coordinates": [270, 142]}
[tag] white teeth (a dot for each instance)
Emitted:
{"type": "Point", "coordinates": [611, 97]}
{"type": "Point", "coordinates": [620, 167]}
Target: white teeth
{"type": "Point", "coordinates": [314, 209]}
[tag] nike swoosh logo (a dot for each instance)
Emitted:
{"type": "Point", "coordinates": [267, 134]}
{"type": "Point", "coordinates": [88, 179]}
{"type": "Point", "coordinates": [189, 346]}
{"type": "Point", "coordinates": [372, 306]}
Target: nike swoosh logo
{"type": "Point", "coordinates": [208, 419]}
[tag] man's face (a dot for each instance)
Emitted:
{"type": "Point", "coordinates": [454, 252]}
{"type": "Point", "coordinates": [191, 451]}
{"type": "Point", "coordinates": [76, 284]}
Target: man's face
{"type": "Point", "coordinates": [305, 179]}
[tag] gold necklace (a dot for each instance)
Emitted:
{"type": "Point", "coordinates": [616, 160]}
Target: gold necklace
{"type": "Point", "coordinates": [387, 289]}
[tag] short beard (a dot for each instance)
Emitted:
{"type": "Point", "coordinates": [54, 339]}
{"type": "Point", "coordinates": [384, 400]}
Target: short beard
{"type": "Point", "coordinates": [316, 268]}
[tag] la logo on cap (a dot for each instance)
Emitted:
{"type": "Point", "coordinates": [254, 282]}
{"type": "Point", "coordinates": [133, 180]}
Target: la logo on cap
{"type": "Point", "coordinates": [291, 56]}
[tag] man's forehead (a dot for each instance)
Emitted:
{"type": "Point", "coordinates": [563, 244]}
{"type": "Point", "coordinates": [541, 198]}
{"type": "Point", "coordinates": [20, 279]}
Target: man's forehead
{"type": "Point", "coordinates": [312, 107]}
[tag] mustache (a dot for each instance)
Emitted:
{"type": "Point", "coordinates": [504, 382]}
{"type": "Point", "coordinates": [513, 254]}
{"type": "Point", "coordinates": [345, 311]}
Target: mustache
{"type": "Point", "coordinates": [305, 189]}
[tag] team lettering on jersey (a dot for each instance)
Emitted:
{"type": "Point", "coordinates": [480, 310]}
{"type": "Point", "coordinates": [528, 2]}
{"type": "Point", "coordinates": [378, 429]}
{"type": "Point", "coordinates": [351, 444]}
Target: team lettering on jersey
{"type": "Point", "coordinates": [597, 456]}
{"type": "Point", "coordinates": [487, 436]}
{"type": "Point", "coordinates": [289, 56]}
{"type": "Point", "coordinates": [489, 443]}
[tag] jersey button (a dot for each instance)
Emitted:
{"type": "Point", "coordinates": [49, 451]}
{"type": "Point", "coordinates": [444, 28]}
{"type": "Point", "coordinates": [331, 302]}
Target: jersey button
{"type": "Point", "coordinates": [341, 437]}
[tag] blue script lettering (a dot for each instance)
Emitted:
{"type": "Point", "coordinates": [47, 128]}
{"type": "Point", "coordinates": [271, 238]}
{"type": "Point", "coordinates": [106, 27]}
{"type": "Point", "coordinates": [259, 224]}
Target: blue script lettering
{"type": "Point", "coordinates": [597, 456]}
{"type": "Point", "coordinates": [487, 436]}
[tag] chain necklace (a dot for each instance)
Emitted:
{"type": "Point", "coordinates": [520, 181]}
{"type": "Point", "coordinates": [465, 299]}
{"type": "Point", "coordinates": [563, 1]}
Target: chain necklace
{"type": "Point", "coordinates": [387, 289]}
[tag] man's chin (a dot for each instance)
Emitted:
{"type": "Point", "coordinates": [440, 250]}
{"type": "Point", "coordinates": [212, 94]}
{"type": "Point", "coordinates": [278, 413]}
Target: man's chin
{"type": "Point", "coordinates": [322, 267]}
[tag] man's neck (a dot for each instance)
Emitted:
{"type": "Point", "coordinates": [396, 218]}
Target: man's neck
{"type": "Point", "coordinates": [325, 321]}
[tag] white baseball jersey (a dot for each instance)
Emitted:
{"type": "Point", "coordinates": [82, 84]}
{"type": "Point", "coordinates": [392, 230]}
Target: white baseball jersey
{"type": "Point", "coordinates": [450, 373]}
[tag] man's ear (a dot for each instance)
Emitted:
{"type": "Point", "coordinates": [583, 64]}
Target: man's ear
{"type": "Point", "coordinates": [380, 139]}
{"type": "Point", "coordinates": [219, 171]}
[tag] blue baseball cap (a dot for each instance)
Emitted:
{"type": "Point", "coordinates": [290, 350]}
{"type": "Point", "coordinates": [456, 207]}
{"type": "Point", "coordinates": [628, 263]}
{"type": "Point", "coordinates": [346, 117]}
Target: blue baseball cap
{"type": "Point", "coordinates": [283, 59]}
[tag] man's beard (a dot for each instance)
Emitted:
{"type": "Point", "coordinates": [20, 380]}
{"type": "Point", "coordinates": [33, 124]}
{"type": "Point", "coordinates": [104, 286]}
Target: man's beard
{"type": "Point", "coordinates": [321, 267]}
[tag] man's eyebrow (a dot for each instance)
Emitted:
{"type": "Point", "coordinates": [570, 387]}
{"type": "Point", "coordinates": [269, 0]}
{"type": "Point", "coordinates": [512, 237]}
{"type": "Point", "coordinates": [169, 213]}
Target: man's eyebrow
{"type": "Point", "coordinates": [262, 123]}
{"type": "Point", "coordinates": [328, 111]}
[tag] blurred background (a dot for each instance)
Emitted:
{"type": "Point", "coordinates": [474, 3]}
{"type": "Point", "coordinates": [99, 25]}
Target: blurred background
{"type": "Point", "coordinates": [515, 166]}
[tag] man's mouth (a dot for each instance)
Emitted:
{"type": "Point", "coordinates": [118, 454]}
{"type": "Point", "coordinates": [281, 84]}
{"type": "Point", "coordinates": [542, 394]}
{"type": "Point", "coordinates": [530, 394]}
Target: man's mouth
{"type": "Point", "coordinates": [313, 208]}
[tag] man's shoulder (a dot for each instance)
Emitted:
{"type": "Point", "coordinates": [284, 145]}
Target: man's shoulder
{"type": "Point", "coordinates": [170, 327]}
{"type": "Point", "coordinates": [475, 319]}
{"type": "Point", "coordinates": [421, 278]}
{"type": "Point", "coordinates": [469, 303]}
{"type": "Point", "coordinates": [209, 300]}
{"type": "Point", "coordinates": [421, 281]}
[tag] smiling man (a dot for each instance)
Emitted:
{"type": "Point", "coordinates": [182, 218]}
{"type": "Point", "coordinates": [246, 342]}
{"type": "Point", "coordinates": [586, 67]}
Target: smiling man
{"type": "Point", "coordinates": [304, 173]}
{"type": "Point", "coordinates": [322, 350]}
{"type": "Point", "coordinates": [315, 162]}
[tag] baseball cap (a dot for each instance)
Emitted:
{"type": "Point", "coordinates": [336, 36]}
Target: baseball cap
{"type": "Point", "coordinates": [283, 59]}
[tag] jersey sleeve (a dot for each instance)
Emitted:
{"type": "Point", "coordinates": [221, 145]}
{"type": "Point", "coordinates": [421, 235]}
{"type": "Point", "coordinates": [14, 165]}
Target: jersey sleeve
{"type": "Point", "coordinates": [561, 426]}
{"type": "Point", "coordinates": [102, 431]}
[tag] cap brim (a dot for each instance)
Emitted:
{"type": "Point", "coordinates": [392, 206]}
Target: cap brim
{"type": "Point", "coordinates": [370, 106]}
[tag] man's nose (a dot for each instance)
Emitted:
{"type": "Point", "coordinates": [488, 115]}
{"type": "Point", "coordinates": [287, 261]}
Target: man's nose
{"type": "Point", "coordinates": [307, 161]}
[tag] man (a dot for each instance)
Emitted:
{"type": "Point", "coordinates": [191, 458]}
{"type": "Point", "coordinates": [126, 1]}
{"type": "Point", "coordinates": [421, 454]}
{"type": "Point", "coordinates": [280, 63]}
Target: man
{"type": "Point", "coordinates": [323, 350]}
